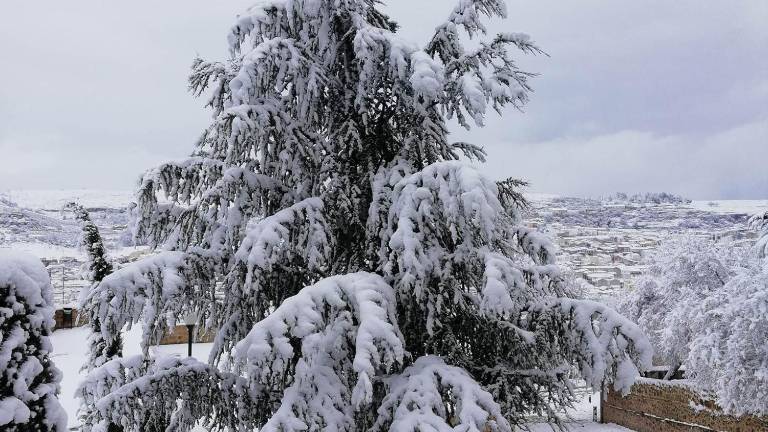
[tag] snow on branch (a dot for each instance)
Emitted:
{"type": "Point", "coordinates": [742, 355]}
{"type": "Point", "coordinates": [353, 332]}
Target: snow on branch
{"type": "Point", "coordinates": [535, 244]}
{"type": "Point", "coordinates": [486, 74]}
{"type": "Point", "coordinates": [215, 75]}
{"type": "Point", "coordinates": [138, 390]}
{"type": "Point", "coordinates": [432, 396]}
{"type": "Point", "coordinates": [277, 257]}
{"type": "Point", "coordinates": [508, 287]}
{"type": "Point", "coordinates": [469, 13]}
{"type": "Point", "coordinates": [446, 205]}
{"type": "Point", "coordinates": [301, 226]}
{"type": "Point", "coordinates": [211, 202]}
{"type": "Point", "coordinates": [347, 333]}
{"type": "Point", "coordinates": [605, 346]}
{"type": "Point", "coordinates": [155, 290]}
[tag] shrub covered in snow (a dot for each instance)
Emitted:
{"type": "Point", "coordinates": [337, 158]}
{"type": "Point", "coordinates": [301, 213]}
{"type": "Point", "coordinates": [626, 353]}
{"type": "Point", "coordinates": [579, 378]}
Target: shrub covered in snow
{"type": "Point", "coordinates": [704, 305]}
{"type": "Point", "coordinates": [29, 381]}
{"type": "Point", "coordinates": [729, 354]}
{"type": "Point", "coordinates": [666, 303]}
{"type": "Point", "coordinates": [326, 230]}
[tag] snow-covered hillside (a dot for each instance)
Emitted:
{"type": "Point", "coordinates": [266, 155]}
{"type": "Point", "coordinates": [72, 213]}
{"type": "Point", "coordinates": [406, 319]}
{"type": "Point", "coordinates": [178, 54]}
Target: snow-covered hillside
{"type": "Point", "coordinates": [36, 223]}
{"type": "Point", "coordinates": [602, 241]}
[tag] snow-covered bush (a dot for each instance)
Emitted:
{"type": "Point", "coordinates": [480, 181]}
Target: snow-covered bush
{"type": "Point", "coordinates": [326, 230]}
{"type": "Point", "coordinates": [729, 353]}
{"type": "Point", "coordinates": [667, 298]}
{"type": "Point", "coordinates": [29, 381]}
{"type": "Point", "coordinates": [705, 305]}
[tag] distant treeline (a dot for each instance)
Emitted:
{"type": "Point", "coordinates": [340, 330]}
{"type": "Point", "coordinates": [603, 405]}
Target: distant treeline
{"type": "Point", "coordinates": [647, 198]}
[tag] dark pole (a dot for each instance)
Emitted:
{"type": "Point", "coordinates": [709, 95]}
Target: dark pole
{"type": "Point", "coordinates": [189, 339]}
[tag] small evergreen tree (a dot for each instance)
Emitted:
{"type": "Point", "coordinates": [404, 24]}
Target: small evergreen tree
{"type": "Point", "coordinates": [29, 381]}
{"type": "Point", "coordinates": [358, 276]}
{"type": "Point", "coordinates": [98, 267]}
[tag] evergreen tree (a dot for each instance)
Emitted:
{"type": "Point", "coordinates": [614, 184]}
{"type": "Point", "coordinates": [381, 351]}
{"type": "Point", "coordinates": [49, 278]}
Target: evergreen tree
{"type": "Point", "coordinates": [98, 264]}
{"type": "Point", "coordinates": [98, 267]}
{"type": "Point", "coordinates": [358, 275]}
{"type": "Point", "coordinates": [29, 381]}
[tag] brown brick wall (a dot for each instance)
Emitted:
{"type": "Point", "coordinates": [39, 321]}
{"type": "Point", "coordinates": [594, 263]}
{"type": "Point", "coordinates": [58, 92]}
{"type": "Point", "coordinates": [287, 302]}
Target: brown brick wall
{"type": "Point", "coordinates": [662, 406]}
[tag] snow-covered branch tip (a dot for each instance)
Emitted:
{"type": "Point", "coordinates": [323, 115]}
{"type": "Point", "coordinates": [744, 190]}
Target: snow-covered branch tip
{"type": "Point", "coordinates": [432, 396]}
{"type": "Point", "coordinates": [606, 346]}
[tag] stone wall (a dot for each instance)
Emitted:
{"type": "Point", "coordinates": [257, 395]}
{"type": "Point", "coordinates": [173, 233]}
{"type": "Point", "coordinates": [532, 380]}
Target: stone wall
{"type": "Point", "coordinates": [68, 318]}
{"type": "Point", "coordinates": [179, 336]}
{"type": "Point", "coordinates": [670, 406]}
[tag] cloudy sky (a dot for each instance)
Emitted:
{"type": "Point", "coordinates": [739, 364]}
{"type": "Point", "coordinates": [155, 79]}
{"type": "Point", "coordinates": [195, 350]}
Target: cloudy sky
{"type": "Point", "coordinates": [642, 95]}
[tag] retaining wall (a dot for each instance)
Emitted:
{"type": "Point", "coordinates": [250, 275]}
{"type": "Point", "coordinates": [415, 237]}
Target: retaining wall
{"type": "Point", "coordinates": [670, 406]}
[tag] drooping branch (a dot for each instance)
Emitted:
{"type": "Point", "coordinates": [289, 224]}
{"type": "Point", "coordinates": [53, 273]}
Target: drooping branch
{"type": "Point", "coordinates": [336, 335]}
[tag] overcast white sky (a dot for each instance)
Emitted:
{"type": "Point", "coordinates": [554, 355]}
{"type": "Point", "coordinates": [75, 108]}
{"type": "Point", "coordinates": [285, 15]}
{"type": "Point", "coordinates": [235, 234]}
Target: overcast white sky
{"type": "Point", "coordinates": [641, 95]}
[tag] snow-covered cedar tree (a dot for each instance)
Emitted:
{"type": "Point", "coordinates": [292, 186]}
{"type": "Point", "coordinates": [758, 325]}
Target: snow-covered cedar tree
{"type": "Point", "coordinates": [358, 276]}
{"type": "Point", "coordinates": [666, 300]}
{"type": "Point", "coordinates": [29, 381]}
{"type": "Point", "coordinates": [98, 267]}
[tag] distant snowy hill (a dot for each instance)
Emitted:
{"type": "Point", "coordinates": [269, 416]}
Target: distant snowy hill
{"type": "Point", "coordinates": [33, 220]}
{"type": "Point", "coordinates": [56, 199]}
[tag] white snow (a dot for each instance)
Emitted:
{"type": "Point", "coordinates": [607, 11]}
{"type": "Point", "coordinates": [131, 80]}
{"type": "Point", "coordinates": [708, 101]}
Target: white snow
{"type": "Point", "coordinates": [749, 207]}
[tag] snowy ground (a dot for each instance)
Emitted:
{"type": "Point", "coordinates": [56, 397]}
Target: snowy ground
{"type": "Point", "coordinates": [69, 353]}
